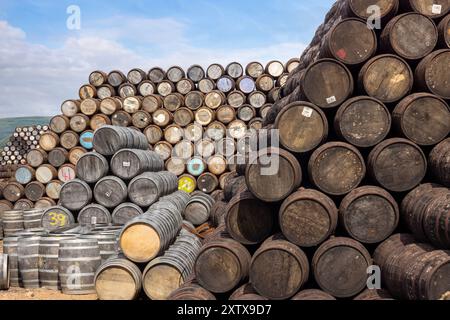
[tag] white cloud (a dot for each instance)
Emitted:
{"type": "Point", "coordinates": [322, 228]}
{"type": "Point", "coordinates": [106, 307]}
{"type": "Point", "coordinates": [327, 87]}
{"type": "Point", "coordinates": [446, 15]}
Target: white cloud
{"type": "Point", "coordinates": [35, 79]}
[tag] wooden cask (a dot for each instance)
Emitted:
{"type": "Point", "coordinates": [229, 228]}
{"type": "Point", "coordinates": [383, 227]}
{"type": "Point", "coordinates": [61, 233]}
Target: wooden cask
{"type": "Point", "coordinates": [78, 260]}
{"type": "Point", "coordinates": [313, 295]}
{"type": "Point", "coordinates": [435, 230]}
{"type": "Point", "coordinates": [109, 139]}
{"type": "Point", "coordinates": [302, 127]}
{"type": "Point", "coordinates": [98, 78]}
{"type": "Point", "coordinates": [23, 204]}
{"type": "Point", "coordinates": [75, 154]}
{"type": "Point", "coordinates": [49, 141]}
{"type": "Point", "coordinates": [46, 173]}
{"type": "Point", "coordinates": [173, 101]}
{"type": "Point", "coordinates": [13, 191]}
{"type": "Point", "coordinates": [207, 182]}
{"type": "Point", "coordinates": [34, 191]}
{"type": "Point", "coordinates": [153, 133]}
{"type": "Point", "coordinates": [292, 64]}
{"type": "Point", "coordinates": [215, 71]}
{"type": "Point", "coordinates": [444, 32]}
{"type": "Point", "coordinates": [110, 191]}
{"type": "Point", "coordinates": [146, 189]}
{"type": "Point", "coordinates": [327, 83]}
{"type": "Point", "coordinates": [183, 117]}
{"type": "Point", "coordinates": [116, 78]}
{"type": "Point", "coordinates": [10, 248]}
{"type": "Point", "coordinates": [236, 99]}
{"type": "Point", "coordinates": [248, 220]}
{"type": "Point", "coordinates": [397, 164]}
{"type": "Point", "coordinates": [373, 295]}
{"type": "Point", "coordinates": [156, 75]}
{"type": "Point", "coordinates": [44, 203]}
{"type": "Point", "coordinates": [226, 114]}
{"type": "Point", "coordinates": [185, 86]}
{"type": "Point", "coordinates": [264, 83]}
{"type": "Point", "coordinates": [4, 272]}
{"type": "Point", "coordinates": [273, 175]}
{"type": "Point", "coordinates": [24, 174]}
{"type": "Point", "coordinates": [132, 104]}
{"type": "Point", "coordinates": [217, 165]}
{"type": "Point", "coordinates": [175, 74]}
{"type": "Point", "coordinates": [146, 88]}
{"type": "Point", "coordinates": [206, 85]}
{"type": "Point", "coordinates": [195, 73]}
{"type": "Point", "coordinates": [70, 108]}
{"type": "Point", "coordinates": [12, 221]}
{"type": "Point", "coordinates": [216, 131]}
{"type": "Point", "coordinates": [59, 124]}
{"type": "Point", "coordinates": [173, 134]}
{"type": "Point", "coordinates": [183, 150]}
{"type": "Point", "coordinates": [257, 99]}
{"type": "Point", "coordinates": [308, 218]}
{"type": "Point", "coordinates": [69, 140]}
{"type": "Point", "coordinates": [32, 219]}
{"type": "Point", "coordinates": [191, 292]}
{"type": "Point", "coordinates": [193, 132]}
{"type": "Point", "coordinates": [99, 120]}
{"type": "Point", "coordinates": [336, 168]}
{"type": "Point", "coordinates": [57, 157]}
{"type": "Point", "coordinates": [246, 292]}
{"type": "Point", "coordinates": [275, 69]}
{"type": "Point", "coordinates": [28, 261]}
{"type": "Point", "coordinates": [278, 269]}
{"type": "Point", "coordinates": [369, 214]}
{"type": "Point", "coordinates": [411, 36]}
{"type": "Point", "coordinates": [79, 122]}
{"type": "Point", "coordinates": [90, 106]}
{"type": "Point", "coordinates": [204, 116]}
{"type": "Point", "coordinates": [94, 214]}
{"type": "Point", "coordinates": [118, 279]}
{"type": "Point", "coordinates": [440, 167]}
{"type": "Point", "coordinates": [423, 118]}
{"type": "Point", "coordinates": [36, 157]}
{"type": "Point", "coordinates": [165, 88]}
{"type": "Point", "coordinates": [431, 73]}
{"type": "Point", "coordinates": [106, 91]}
{"type": "Point", "coordinates": [187, 183]}
{"type": "Point", "coordinates": [360, 9]}
{"type": "Point", "coordinates": [87, 91]}
{"type": "Point", "coordinates": [125, 212]}
{"type": "Point", "coordinates": [254, 70]}
{"type": "Point", "coordinates": [75, 195]}
{"type": "Point", "coordinates": [136, 76]}
{"type": "Point", "coordinates": [387, 78]}
{"type": "Point", "coordinates": [198, 209]}
{"type": "Point", "coordinates": [226, 84]}
{"type": "Point", "coordinates": [246, 84]}
{"type": "Point", "coordinates": [237, 129]}
{"type": "Point", "coordinates": [194, 100]}
{"type": "Point", "coordinates": [109, 106]}
{"type": "Point", "coordinates": [246, 113]}
{"type": "Point", "coordinates": [214, 99]}
{"type": "Point", "coordinates": [53, 189]}
{"type": "Point", "coordinates": [121, 118]}
{"type": "Point", "coordinates": [91, 167]}
{"type": "Point", "coordinates": [128, 163]}
{"type": "Point", "coordinates": [363, 121]}
{"type": "Point", "coordinates": [229, 273]}
{"type": "Point", "coordinates": [340, 267]}
{"type": "Point", "coordinates": [162, 118]}
{"type": "Point", "coordinates": [164, 150]}
{"type": "Point", "coordinates": [176, 166]}
{"type": "Point", "coordinates": [430, 8]}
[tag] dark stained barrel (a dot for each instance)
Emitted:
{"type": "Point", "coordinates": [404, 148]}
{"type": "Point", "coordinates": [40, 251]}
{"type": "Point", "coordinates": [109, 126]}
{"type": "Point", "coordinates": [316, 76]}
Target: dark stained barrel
{"type": "Point", "coordinates": [146, 189]}
{"type": "Point", "coordinates": [369, 214]}
{"type": "Point", "coordinates": [28, 259]}
{"type": "Point", "coordinates": [91, 167]}
{"type": "Point", "coordinates": [75, 195]}
{"type": "Point", "coordinates": [229, 273]}
{"type": "Point", "coordinates": [430, 8]}
{"type": "Point", "coordinates": [94, 214]}
{"type": "Point", "coordinates": [273, 175]}
{"type": "Point", "coordinates": [57, 217]}
{"type": "Point", "coordinates": [78, 260]}
{"type": "Point", "coordinates": [397, 164]}
{"type": "Point", "coordinates": [13, 191]}
{"type": "Point", "coordinates": [336, 168]}
{"type": "Point", "coordinates": [327, 83]}
{"type": "Point", "coordinates": [340, 267]}
{"type": "Point", "coordinates": [423, 118]}
{"type": "Point", "coordinates": [360, 9]}
{"type": "Point", "coordinates": [109, 139]}
{"type": "Point", "coordinates": [387, 78]}
{"type": "Point", "coordinates": [390, 247]}
{"type": "Point", "coordinates": [410, 35]}
{"type": "Point", "coordinates": [128, 163]}
{"type": "Point", "coordinates": [278, 269]}
{"type": "Point", "coordinates": [313, 295]}
{"type": "Point", "coordinates": [12, 222]}
{"type": "Point", "coordinates": [118, 279]}
{"type": "Point", "coordinates": [302, 127]}
{"type": "Point", "coordinates": [444, 34]}
{"type": "Point", "coordinates": [32, 219]}
{"type": "Point", "coordinates": [4, 272]}
{"type": "Point", "coordinates": [431, 73]}
{"type": "Point", "coordinates": [23, 204]}
{"type": "Point", "coordinates": [110, 192]}
{"type": "Point", "coordinates": [198, 209]}
{"type": "Point", "coordinates": [107, 243]}
{"type": "Point", "coordinates": [308, 217]}
{"type": "Point", "coordinates": [363, 121]}
{"type": "Point", "coordinates": [156, 75]}
{"type": "Point", "coordinates": [439, 164]}
{"type": "Point", "coordinates": [57, 157]}
{"type": "Point", "coordinates": [125, 212]}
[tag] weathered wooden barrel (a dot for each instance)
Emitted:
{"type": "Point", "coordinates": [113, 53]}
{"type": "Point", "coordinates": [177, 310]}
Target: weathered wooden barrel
{"type": "Point", "coordinates": [36, 157]}
{"type": "Point", "coordinates": [109, 106]}
{"type": "Point", "coordinates": [110, 191]}
{"type": "Point", "coordinates": [431, 73]}
{"type": "Point", "coordinates": [146, 189]}
{"type": "Point", "coordinates": [278, 269]}
{"type": "Point", "coordinates": [86, 139]}
{"type": "Point", "coordinates": [89, 107]}
{"type": "Point", "coordinates": [373, 295]}
{"type": "Point", "coordinates": [363, 121]}
{"type": "Point", "coordinates": [176, 166]}
{"type": "Point", "coordinates": [273, 175]}
{"type": "Point", "coordinates": [46, 173]}
{"type": "Point", "coordinates": [308, 218]}
{"type": "Point", "coordinates": [12, 222]}
{"type": "Point", "coordinates": [183, 116]}
{"type": "Point", "coordinates": [423, 118]}
{"type": "Point", "coordinates": [274, 68]}
{"type": "Point", "coordinates": [156, 75]}
{"type": "Point", "coordinates": [246, 84]}
{"type": "Point", "coordinates": [410, 35]}
{"type": "Point", "coordinates": [350, 41]}
{"type": "Point", "coordinates": [69, 140]}
{"type": "Point", "coordinates": [24, 174]}
{"type": "Point", "coordinates": [369, 214]}
{"type": "Point", "coordinates": [179, 198]}
{"type": "Point", "coordinates": [198, 209]}
{"type": "Point", "coordinates": [154, 134]}
{"type": "Point", "coordinates": [173, 134]}
{"type": "Point", "coordinates": [397, 164]}
{"type": "Point", "coordinates": [23, 204]}
{"type": "Point", "coordinates": [53, 189]}
{"type": "Point", "coordinates": [361, 9]}
{"type": "Point", "coordinates": [78, 261]}
{"type": "Point", "coordinates": [32, 219]}
{"type": "Point", "coordinates": [195, 73]}
{"type": "Point", "coordinates": [116, 78]}
{"type": "Point", "coordinates": [57, 157]}
{"type": "Point", "coordinates": [175, 74]}
{"type": "Point", "coordinates": [187, 183]}
{"type": "Point", "coordinates": [336, 168]}
{"type": "Point", "coordinates": [164, 150]}
{"type": "Point", "coordinates": [125, 212]}
{"type": "Point", "coordinates": [264, 83]}
{"type": "Point", "coordinates": [75, 154]}
{"type": "Point", "coordinates": [128, 163]}
{"type": "Point", "coordinates": [254, 69]}
{"type": "Point", "coordinates": [99, 120]}
{"type": "Point", "coordinates": [302, 127]}
{"type": "Point", "coordinates": [44, 203]}
{"type": "Point", "coordinates": [207, 182]}
{"type": "Point", "coordinates": [121, 119]}
{"type": "Point", "coordinates": [206, 85]}
{"type": "Point", "coordinates": [28, 261]}
{"type": "Point", "coordinates": [136, 76]}
{"type": "Point", "coordinates": [313, 295]}
{"type": "Point", "coordinates": [10, 247]}
{"type": "Point", "coordinates": [234, 70]}
{"type": "Point", "coordinates": [340, 267]}
{"type": "Point", "coordinates": [87, 91]}
{"type": "Point", "coordinates": [91, 167]}
{"type": "Point", "coordinates": [430, 8]}
{"type": "Point", "coordinates": [191, 292]}
{"type": "Point", "coordinates": [48, 260]}
{"type": "Point", "coordinates": [109, 139]}
{"type": "Point", "coordinates": [150, 234]}
{"type": "Point", "coordinates": [217, 165]}
{"type": "Point", "coordinates": [387, 78]}
{"type": "Point", "coordinates": [229, 273]}
{"type": "Point", "coordinates": [249, 220]}
{"type": "Point", "coordinates": [69, 108]}
{"type": "Point", "coordinates": [444, 34]}
{"type": "Point", "coordinates": [75, 195]}
{"type": "Point", "coordinates": [166, 274]}
{"type": "Point", "coordinates": [4, 272]}
{"type": "Point", "coordinates": [57, 217]}
{"type": "Point", "coordinates": [78, 123]}
{"type": "Point", "coordinates": [245, 292]}
{"type": "Point", "coordinates": [107, 243]}
{"type": "Point", "coordinates": [106, 91]}
{"type": "Point", "coordinates": [13, 191]}
{"type": "Point", "coordinates": [257, 99]}
{"type": "Point", "coordinates": [439, 164]}
{"type": "Point", "coordinates": [49, 140]}
{"type": "Point", "coordinates": [59, 124]}
{"type": "Point", "coordinates": [215, 71]}
{"type": "Point", "coordinates": [118, 279]}
{"type": "Point", "coordinates": [94, 214]}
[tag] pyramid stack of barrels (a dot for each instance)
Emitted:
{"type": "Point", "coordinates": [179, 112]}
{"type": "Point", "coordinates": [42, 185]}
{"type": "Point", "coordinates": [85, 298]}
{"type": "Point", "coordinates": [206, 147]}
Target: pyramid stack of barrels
{"type": "Point", "coordinates": [360, 178]}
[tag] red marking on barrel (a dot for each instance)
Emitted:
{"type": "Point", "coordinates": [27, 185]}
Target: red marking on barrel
{"type": "Point", "coordinates": [341, 53]}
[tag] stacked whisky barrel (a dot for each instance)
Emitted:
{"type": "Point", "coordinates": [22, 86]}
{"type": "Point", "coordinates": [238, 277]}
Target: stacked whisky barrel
{"type": "Point", "coordinates": [324, 199]}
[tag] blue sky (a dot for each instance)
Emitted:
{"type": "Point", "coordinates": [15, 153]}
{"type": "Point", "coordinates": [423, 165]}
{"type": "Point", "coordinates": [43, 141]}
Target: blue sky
{"type": "Point", "coordinates": [43, 63]}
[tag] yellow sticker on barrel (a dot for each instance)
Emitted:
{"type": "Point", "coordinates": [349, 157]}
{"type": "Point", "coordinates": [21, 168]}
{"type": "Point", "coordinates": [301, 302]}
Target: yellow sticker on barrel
{"type": "Point", "coordinates": [187, 184]}
{"type": "Point", "coordinates": [57, 219]}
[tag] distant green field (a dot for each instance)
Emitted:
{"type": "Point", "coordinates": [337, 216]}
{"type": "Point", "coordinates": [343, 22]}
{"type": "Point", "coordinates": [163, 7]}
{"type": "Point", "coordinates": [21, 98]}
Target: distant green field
{"type": "Point", "coordinates": [7, 126]}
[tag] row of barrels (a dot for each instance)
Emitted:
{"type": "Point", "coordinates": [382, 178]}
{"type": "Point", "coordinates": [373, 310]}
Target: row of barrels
{"type": "Point", "coordinates": [20, 143]}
